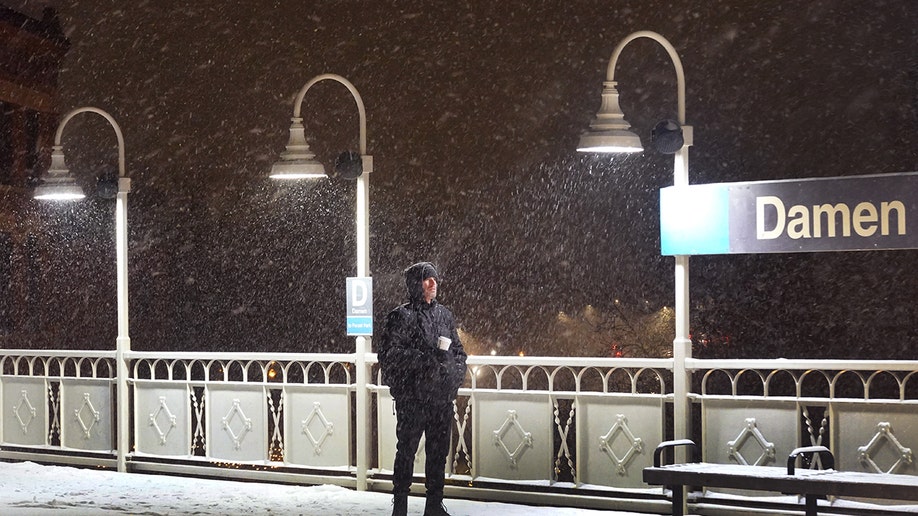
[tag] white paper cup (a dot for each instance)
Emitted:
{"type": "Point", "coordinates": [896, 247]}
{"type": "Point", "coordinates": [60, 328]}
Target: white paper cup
{"type": "Point", "coordinates": [444, 342]}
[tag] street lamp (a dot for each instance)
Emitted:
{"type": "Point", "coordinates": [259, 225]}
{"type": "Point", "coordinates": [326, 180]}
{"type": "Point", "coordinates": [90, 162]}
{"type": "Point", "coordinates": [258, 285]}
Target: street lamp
{"type": "Point", "coordinates": [609, 133]}
{"type": "Point", "coordinates": [60, 185]}
{"type": "Point", "coordinates": [298, 162]}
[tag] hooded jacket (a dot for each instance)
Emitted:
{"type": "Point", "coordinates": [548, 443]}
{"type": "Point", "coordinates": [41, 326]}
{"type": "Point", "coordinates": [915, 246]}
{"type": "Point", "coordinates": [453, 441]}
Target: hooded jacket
{"type": "Point", "coordinates": [413, 367]}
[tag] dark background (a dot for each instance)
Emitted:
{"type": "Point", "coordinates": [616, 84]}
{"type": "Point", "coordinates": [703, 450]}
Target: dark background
{"type": "Point", "coordinates": [474, 111]}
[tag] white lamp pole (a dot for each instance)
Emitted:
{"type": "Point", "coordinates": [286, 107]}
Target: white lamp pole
{"type": "Point", "coordinates": [298, 162]}
{"type": "Point", "coordinates": [60, 185]}
{"type": "Point", "coordinates": [609, 133]}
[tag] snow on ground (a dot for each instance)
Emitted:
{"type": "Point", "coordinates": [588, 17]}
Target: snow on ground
{"type": "Point", "coordinates": [29, 489]}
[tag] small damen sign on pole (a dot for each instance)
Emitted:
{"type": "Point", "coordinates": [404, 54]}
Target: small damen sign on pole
{"type": "Point", "coordinates": [360, 306]}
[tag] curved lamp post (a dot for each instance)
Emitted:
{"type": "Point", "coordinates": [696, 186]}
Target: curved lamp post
{"type": "Point", "coordinates": [298, 162]}
{"type": "Point", "coordinates": [61, 185]}
{"type": "Point", "coordinates": [609, 133]}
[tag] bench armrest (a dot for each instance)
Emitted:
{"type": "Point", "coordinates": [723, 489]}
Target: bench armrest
{"type": "Point", "coordinates": [658, 451]}
{"type": "Point", "coordinates": [828, 461]}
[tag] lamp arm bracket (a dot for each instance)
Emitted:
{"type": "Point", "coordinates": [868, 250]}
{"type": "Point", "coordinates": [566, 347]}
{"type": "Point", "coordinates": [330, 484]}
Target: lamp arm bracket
{"type": "Point", "coordinates": [89, 109]}
{"type": "Point", "coordinates": [674, 56]}
{"type": "Point", "coordinates": [298, 103]}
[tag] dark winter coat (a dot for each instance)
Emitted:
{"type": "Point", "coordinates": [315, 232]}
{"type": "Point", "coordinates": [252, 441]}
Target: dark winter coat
{"type": "Point", "coordinates": [413, 367]}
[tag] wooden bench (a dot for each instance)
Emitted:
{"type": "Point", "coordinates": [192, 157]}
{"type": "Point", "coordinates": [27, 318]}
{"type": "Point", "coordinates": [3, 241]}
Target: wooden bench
{"type": "Point", "coordinates": [808, 482]}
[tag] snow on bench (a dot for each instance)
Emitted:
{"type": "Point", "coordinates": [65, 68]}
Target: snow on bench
{"type": "Point", "coordinates": [809, 483]}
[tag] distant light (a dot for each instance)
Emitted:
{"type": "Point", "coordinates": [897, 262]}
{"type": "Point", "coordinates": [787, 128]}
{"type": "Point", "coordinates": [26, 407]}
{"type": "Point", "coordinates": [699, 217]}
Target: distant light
{"type": "Point", "coordinates": [493, 352]}
{"type": "Point", "coordinates": [522, 354]}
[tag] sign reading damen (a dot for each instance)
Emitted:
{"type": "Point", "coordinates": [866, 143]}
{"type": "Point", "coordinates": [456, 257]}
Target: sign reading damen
{"type": "Point", "coordinates": [799, 215]}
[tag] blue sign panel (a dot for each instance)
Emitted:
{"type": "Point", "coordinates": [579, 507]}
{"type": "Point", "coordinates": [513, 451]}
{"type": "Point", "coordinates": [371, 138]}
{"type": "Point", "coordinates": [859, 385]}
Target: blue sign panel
{"type": "Point", "coordinates": [359, 325]}
{"type": "Point", "coordinates": [826, 214]}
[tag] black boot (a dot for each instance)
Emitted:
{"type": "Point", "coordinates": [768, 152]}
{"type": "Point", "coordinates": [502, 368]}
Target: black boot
{"type": "Point", "coordinates": [400, 505]}
{"type": "Point", "coordinates": [434, 506]}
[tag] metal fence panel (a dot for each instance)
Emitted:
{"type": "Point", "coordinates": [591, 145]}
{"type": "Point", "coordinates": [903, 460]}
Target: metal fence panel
{"type": "Point", "coordinates": [876, 438]}
{"type": "Point", "coordinates": [749, 432]}
{"type": "Point", "coordinates": [512, 435]}
{"type": "Point", "coordinates": [318, 427]}
{"type": "Point", "coordinates": [87, 414]}
{"type": "Point", "coordinates": [25, 411]}
{"type": "Point", "coordinates": [237, 427]}
{"type": "Point", "coordinates": [616, 436]}
{"type": "Point", "coordinates": [162, 419]}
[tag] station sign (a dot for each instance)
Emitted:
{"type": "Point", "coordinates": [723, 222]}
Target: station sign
{"type": "Point", "coordinates": [359, 293]}
{"type": "Point", "coordinates": [852, 213]}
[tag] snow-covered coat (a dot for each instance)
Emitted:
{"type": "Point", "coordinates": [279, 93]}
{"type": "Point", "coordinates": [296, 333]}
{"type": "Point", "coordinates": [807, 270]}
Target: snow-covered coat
{"type": "Point", "coordinates": [413, 367]}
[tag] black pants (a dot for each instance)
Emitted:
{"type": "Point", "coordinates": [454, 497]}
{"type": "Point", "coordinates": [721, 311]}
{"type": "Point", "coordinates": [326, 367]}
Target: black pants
{"type": "Point", "coordinates": [414, 419]}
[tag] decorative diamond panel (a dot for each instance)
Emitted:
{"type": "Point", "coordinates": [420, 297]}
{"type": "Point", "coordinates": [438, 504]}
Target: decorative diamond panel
{"type": "Point", "coordinates": [607, 444]}
{"type": "Point", "coordinates": [765, 449]}
{"type": "Point", "coordinates": [512, 435]}
{"type": "Point", "coordinates": [92, 416]}
{"type": "Point", "coordinates": [30, 412]}
{"type": "Point", "coordinates": [324, 428]}
{"type": "Point", "coordinates": [168, 421]}
{"type": "Point", "coordinates": [884, 438]}
{"type": "Point", "coordinates": [235, 418]}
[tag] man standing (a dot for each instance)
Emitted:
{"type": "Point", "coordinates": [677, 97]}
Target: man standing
{"type": "Point", "coordinates": [423, 364]}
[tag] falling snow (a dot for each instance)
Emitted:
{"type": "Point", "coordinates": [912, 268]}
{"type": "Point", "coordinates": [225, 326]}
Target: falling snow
{"type": "Point", "coordinates": [473, 114]}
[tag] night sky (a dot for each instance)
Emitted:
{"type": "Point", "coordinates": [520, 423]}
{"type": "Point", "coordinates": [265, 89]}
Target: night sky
{"type": "Point", "coordinates": [474, 110]}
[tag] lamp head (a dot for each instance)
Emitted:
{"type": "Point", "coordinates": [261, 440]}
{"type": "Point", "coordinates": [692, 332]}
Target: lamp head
{"type": "Point", "coordinates": [297, 161]}
{"type": "Point", "coordinates": [349, 165]}
{"type": "Point", "coordinates": [59, 185]}
{"type": "Point", "coordinates": [667, 137]}
{"type": "Point", "coordinates": [609, 131]}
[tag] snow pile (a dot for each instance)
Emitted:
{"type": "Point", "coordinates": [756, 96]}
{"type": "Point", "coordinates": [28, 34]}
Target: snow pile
{"type": "Point", "coordinates": [28, 489]}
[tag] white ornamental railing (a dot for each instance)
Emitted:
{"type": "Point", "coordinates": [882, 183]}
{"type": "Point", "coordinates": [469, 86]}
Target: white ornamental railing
{"type": "Point", "coordinates": [567, 431]}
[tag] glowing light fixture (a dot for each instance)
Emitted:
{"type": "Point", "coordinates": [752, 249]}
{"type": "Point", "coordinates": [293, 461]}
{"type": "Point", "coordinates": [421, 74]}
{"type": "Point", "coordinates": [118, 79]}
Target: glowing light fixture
{"type": "Point", "coordinates": [297, 161]}
{"type": "Point", "coordinates": [59, 185]}
{"type": "Point", "coordinates": [609, 131]}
